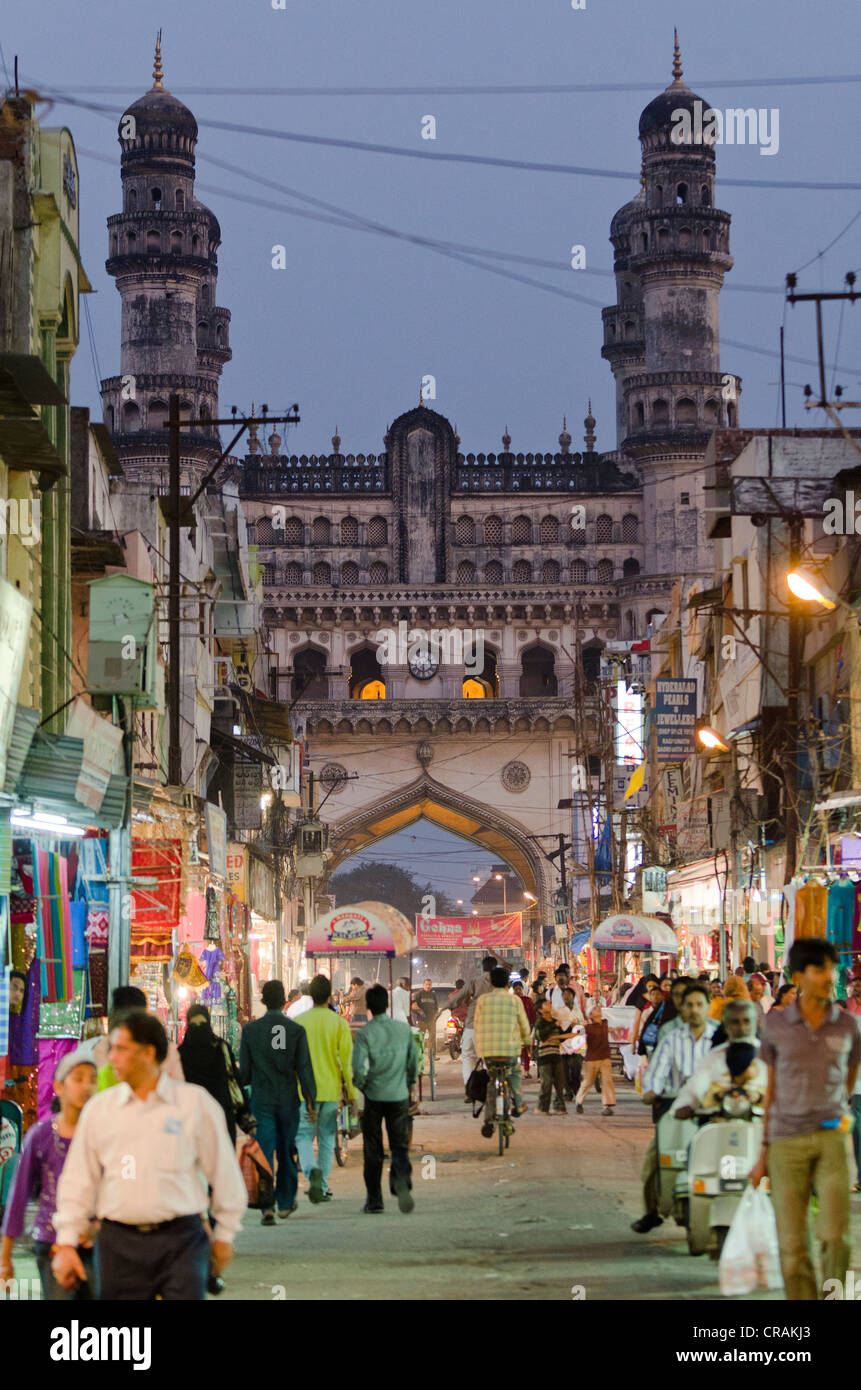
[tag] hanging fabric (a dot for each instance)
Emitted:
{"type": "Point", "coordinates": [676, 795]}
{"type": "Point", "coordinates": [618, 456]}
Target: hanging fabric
{"type": "Point", "coordinates": [55, 925]}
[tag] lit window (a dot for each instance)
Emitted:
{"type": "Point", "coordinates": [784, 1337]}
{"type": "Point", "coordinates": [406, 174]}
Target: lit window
{"type": "Point", "coordinates": [474, 690]}
{"type": "Point", "coordinates": [372, 690]}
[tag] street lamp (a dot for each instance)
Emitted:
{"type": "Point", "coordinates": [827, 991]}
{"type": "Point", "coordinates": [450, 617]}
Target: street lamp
{"type": "Point", "coordinates": [529, 898]}
{"type": "Point", "coordinates": [501, 879]}
{"type": "Point", "coordinates": [812, 590]}
{"type": "Point", "coordinates": [711, 739]}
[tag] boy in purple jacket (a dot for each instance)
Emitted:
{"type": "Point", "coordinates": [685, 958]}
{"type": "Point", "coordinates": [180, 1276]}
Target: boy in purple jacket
{"type": "Point", "coordinates": [46, 1145]}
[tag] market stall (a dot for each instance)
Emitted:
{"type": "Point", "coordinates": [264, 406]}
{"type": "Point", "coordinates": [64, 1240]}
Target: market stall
{"type": "Point", "coordinates": [368, 929]}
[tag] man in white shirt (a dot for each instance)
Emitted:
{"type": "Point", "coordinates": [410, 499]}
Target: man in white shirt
{"type": "Point", "coordinates": [739, 1021]}
{"type": "Point", "coordinates": [143, 1156]}
{"type": "Point", "coordinates": [302, 1004]}
{"type": "Point", "coordinates": [401, 1001]}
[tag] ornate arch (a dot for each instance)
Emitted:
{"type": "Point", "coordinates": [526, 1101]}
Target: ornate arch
{"type": "Point", "coordinates": [461, 815]}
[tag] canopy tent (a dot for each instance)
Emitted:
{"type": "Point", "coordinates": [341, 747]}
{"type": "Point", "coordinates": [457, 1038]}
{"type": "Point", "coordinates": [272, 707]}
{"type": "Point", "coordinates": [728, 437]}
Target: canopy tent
{"type": "Point", "coordinates": [623, 932]}
{"type": "Point", "coordinates": [361, 929]}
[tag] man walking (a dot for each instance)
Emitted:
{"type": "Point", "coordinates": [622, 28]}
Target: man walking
{"type": "Point", "coordinates": [331, 1047]}
{"type": "Point", "coordinates": [426, 1007]}
{"type": "Point", "coordinates": [812, 1050]}
{"type": "Point", "coordinates": [273, 1057]}
{"type": "Point", "coordinates": [385, 1066]}
{"type": "Point", "coordinates": [674, 1059]}
{"type": "Point", "coordinates": [472, 991]}
{"type": "Point", "coordinates": [501, 1032]}
{"type": "Point", "coordinates": [143, 1154]}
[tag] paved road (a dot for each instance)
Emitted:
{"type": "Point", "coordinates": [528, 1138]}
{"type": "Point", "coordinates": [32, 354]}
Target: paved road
{"type": "Point", "coordinates": [553, 1213]}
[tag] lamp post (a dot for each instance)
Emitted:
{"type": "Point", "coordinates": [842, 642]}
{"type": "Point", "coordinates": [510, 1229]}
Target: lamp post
{"type": "Point", "coordinates": [501, 878]}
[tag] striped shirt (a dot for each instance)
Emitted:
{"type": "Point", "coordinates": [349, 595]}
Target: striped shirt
{"type": "Point", "coordinates": [675, 1059]}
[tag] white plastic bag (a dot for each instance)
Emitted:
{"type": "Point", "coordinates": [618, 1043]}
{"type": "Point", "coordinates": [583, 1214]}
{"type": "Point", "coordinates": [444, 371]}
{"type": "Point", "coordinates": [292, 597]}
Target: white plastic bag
{"type": "Point", "coordinates": [751, 1257]}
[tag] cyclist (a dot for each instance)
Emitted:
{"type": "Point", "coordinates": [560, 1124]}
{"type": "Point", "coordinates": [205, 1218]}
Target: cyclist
{"type": "Point", "coordinates": [501, 1032]}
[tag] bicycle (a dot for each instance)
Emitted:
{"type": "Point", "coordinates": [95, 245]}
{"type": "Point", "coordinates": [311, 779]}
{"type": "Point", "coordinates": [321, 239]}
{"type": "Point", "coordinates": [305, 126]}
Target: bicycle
{"type": "Point", "coordinates": [499, 1097]}
{"type": "Point", "coordinates": [344, 1131]}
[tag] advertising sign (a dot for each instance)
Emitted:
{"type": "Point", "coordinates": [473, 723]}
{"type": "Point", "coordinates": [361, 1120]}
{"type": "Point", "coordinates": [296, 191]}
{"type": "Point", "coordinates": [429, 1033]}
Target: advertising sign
{"type": "Point", "coordinates": [654, 889]}
{"type": "Point", "coordinates": [675, 719]}
{"type": "Point", "coordinates": [216, 839]}
{"type": "Point", "coordinates": [237, 858]}
{"type": "Point", "coordinates": [101, 742]}
{"type": "Point", "coordinates": [469, 933]}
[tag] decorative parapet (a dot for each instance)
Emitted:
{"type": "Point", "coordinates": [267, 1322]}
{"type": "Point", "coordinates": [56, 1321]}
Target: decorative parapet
{"type": "Point", "coordinates": [444, 716]}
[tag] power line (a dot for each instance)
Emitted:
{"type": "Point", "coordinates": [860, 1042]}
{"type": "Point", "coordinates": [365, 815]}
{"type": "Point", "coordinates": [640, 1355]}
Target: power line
{"type": "Point", "coordinates": [487, 89]}
{"type": "Point", "coordinates": [451, 157]}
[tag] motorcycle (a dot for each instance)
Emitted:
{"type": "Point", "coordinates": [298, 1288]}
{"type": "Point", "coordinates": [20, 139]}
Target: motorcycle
{"type": "Point", "coordinates": [722, 1152]}
{"type": "Point", "coordinates": [454, 1037]}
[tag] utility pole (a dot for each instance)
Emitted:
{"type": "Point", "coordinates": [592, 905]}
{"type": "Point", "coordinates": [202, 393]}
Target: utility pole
{"type": "Point", "coordinates": [795, 640]}
{"type": "Point", "coordinates": [179, 513]}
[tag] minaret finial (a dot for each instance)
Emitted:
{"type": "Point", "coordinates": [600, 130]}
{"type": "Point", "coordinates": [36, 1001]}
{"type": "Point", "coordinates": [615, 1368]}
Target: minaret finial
{"type": "Point", "coordinates": [677, 58]}
{"type": "Point", "coordinates": [158, 70]}
{"type": "Point", "coordinates": [589, 437]}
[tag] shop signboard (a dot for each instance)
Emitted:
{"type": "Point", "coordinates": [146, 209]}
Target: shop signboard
{"type": "Point", "coordinates": [102, 741]}
{"type": "Point", "coordinates": [671, 787]}
{"type": "Point", "coordinates": [654, 889]}
{"type": "Point", "coordinates": [261, 888]}
{"type": "Point", "coordinates": [15, 614]}
{"type": "Point", "coordinates": [237, 859]}
{"type": "Point", "coordinates": [675, 719]}
{"type": "Point", "coordinates": [694, 830]}
{"type": "Point", "coordinates": [216, 839]}
{"type": "Point", "coordinates": [247, 791]}
{"type": "Point", "coordinates": [468, 933]}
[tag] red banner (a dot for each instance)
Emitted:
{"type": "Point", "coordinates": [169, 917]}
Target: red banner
{"type": "Point", "coordinates": [469, 933]}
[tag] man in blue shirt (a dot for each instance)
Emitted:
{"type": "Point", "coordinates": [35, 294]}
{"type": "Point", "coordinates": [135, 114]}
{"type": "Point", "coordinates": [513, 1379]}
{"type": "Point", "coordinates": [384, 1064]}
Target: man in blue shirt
{"type": "Point", "coordinates": [273, 1057]}
{"type": "Point", "coordinates": [385, 1066]}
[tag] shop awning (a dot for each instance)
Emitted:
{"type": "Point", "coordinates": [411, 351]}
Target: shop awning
{"type": "Point", "coordinates": [361, 929]}
{"type": "Point", "coordinates": [624, 932]}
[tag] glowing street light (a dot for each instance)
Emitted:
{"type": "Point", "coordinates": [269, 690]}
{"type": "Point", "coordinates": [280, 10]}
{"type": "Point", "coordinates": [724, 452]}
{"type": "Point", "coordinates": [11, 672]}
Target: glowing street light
{"type": "Point", "coordinates": [812, 590]}
{"type": "Point", "coordinates": [711, 739]}
{"type": "Point", "coordinates": [529, 898]}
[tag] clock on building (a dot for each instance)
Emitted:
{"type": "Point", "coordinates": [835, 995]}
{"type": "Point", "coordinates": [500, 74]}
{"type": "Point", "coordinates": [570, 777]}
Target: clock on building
{"type": "Point", "coordinates": [422, 665]}
{"type": "Point", "coordinates": [69, 181]}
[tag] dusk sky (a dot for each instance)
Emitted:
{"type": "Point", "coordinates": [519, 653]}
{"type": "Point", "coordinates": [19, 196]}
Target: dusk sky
{"type": "Point", "coordinates": [356, 319]}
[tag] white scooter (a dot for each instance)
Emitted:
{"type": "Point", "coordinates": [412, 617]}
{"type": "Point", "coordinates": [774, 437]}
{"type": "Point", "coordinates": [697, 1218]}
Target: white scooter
{"type": "Point", "coordinates": [722, 1153]}
{"type": "Point", "coordinates": [674, 1138]}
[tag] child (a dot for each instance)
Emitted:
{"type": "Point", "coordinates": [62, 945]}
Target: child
{"type": "Point", "coordinates": [42, 1157]}
{"type": "Point", "coordinates": [550, 1070]}
{"type": "Point", "coordinates": [597, 1060]}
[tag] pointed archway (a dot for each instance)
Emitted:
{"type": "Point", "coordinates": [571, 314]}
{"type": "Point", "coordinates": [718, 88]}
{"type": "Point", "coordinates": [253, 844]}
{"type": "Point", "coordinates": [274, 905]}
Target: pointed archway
{"type": "Point", "coordinates": [459, 814]}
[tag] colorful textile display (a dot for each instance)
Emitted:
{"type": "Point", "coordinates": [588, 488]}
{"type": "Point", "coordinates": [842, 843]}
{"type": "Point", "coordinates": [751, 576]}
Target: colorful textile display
{"type": "Point", "coordinates": [4, 1009]}
{"type": "Point", "coordinates": [210, 963]}
{"type": "Point", "coordinates": [51, 1053]}
{"type": "Point", "coordinates": [55, 925]}
{"type": "Point", "coordinates": [98, 984]}
{"type": "Point", "coordinates": [97, 926]}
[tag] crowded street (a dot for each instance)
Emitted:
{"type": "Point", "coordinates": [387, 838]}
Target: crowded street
{"type": "Point", "coordinates": [430, 712]}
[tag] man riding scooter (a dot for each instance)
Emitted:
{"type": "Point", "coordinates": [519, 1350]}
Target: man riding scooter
{"type": "Point", "coordinates": [725, 1147]}
{"type": "Point", "coordinates": [675, 1059]}
{"type": "Point", "coordinates": [739, 1021]}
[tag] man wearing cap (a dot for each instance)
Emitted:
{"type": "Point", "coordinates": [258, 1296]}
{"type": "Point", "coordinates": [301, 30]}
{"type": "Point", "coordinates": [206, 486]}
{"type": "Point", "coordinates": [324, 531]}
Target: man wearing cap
{"type": "Point", "coordinates": [144, 1156]}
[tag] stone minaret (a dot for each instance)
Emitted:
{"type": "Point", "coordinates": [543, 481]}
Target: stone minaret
{"type": "Point", "coordinates": [661, 338]}
{"type": "Point", "coordinates": [162, 256]}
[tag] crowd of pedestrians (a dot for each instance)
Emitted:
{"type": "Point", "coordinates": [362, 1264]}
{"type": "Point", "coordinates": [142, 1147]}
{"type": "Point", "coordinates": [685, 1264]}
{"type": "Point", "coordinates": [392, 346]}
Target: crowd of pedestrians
{"type": "Point", "coordinates": [140, 1190]}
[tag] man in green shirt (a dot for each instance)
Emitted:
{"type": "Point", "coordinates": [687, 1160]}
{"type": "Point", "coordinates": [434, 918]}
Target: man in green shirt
{"type": "Point", "coordinates": [331, 1046]}
{"type": "Point", "coordinates": [385, 1066]}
